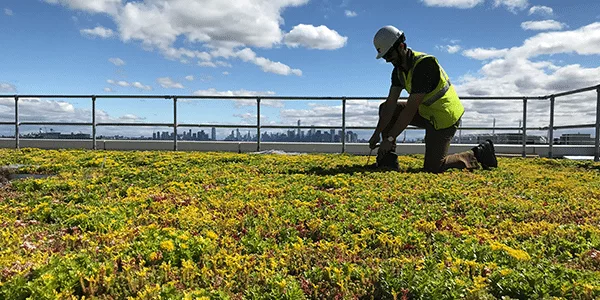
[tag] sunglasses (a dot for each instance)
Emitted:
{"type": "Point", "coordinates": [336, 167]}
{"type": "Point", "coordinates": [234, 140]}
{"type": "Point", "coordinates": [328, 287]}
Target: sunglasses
{"type": "Point", "coordinates": [387, 55]}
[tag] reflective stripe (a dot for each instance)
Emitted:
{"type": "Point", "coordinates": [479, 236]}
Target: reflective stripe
{"type": "Point", "coordinates": [437, 96]}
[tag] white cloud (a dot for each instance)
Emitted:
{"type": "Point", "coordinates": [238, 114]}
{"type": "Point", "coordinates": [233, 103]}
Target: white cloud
{"type": "Point", "coordinates": [312, 37]}
{"type": "Point", "coordinates": [543, 25]}
{"type": "Point", "coordinates": [97, 32]}
{"type": "Point", "coordinates": [223, 26]}
{"type": "Point", "coordinates": [358, 113]}
{"type": "Point", "coordinates": [8, 12]}
{"type": "Point", "coordinates": [267, 65]}
{"type": "Point", "coordinates": [450, 48]}
{"type": "Point", "coordinates": [189, 78]}
{"type": "Point", "coordinates": [250, 117]}
{"type": "Point", "coordinates": [181, 53]}
{"type": "Point", "coordinates": [583, 41]}
{"type": "Point", "coordinates": [141, 86]}
{"type": "Point", "coordinates": [225, 73]}
{"type": "Point", "coordinates": [7, 88]}
{"type": "Point", "coordinates": [483, 54]}
{"type": "Point", "coordinates": [541, 10]}
{"type": "Point", "coordinates": [214, 64]}
{"type": "Point", "coordinates": [453, 3]}
{"type": "Point", "coordinates": [209, 64]}
{"type": "Point", "coordinates": [95, 6]}
{"type": "Point", "coordinates": [168, 83]}
{"type": "Point", "coordinates": [136, 84]}
{"type": "Point", "coordinates": [119, 83]}
{"type": "Point", "coordinates": [116, 61]}
{"type": "Point", "coordinates": [123, 83]}
{"type": "Point", "coordinates": [350, 14]}
{"type": "Point", "coordinates": [108, 90]}
{"type": "Point", "coordinates": [242, 92]}
{"type": "Point", "coordinates": [48, 110]}
{"type": "Point", "coordinates": [510, 72]}
{"type": "Point", "coordinates": [514, 72]}
{"type": "Point", "coordinates": [221, 63]}
{"type": "Point", "coordinates": [512, 5]}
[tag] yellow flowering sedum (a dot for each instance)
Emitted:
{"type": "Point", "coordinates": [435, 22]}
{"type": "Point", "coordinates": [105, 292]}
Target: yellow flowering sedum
{"type": "Point", "coordinates": [189, 225]}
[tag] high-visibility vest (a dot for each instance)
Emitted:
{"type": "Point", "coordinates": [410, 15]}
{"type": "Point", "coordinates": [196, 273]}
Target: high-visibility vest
{"type": "Point", "coordinates": [441, 106]}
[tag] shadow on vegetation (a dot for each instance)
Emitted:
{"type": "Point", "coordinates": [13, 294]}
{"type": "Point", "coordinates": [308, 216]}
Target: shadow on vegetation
{"type": "Point", "coordinates": [9, 173]}
{"type": "Point", "coordinates": [351, 169]}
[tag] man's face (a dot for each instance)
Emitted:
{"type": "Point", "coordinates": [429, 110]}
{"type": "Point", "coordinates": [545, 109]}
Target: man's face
{"type": "Point", "coordinates": [394, 56]}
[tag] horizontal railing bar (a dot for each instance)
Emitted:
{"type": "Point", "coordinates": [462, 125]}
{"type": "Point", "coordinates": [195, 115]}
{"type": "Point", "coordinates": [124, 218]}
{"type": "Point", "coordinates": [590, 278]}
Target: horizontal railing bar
{"type": "Point", "coordinates": [182, 97]}
{"type": "Point", "coordinates": [56, 123]}
{"type": "Point", "coordinates": [216, 125]}
{"type": "Point", "coordinates": [574, 126]}
{"type": "Point", "coordinates": [505, 98]}
{"type": "Point", "coordinates": [136, 124]}
{"type": "Point", "coordinates": [591, 88]}
{"type": "Point", "coordinates": [47, 96]}
{"type": "Point", "coordinates": [299, 127]}
{"type": "Point", "coordinates": [7, 123]}
{"type": "Point", "coordinates": [495, 128]}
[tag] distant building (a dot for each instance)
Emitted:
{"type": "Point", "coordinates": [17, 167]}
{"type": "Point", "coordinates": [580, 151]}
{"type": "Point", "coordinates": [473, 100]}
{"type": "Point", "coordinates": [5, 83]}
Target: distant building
{"type": "Point", "coordinates": [512, 138]}
{"type": "Point", "coordinates": [576, 139]}
{"type": "Point", "coordinates": [56, 135]}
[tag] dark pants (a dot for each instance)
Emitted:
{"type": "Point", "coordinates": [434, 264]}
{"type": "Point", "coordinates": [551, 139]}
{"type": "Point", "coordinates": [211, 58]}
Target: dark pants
{"type": "Point", "coordinates": [437, 143]}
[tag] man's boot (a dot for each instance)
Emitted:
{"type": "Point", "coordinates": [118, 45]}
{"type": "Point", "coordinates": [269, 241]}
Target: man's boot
{"type": "Point", "coordinates": [388, 160]}
{"type": "Point", "coordinates": [486, 155]}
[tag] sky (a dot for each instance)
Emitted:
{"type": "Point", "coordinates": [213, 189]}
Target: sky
{"type": "Point", "coordinates": [305, 48]}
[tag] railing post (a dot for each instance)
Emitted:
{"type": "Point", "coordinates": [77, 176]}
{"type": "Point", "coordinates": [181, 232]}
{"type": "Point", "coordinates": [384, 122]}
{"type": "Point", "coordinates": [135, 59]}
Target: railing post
{"type": "Point", "coordinates": [257, 124]}
{"type": "Point", "coordinates": [94, 123]}
{"type": "Point", "coordinates": [174, 123]}
{"type": "Point", "coordinates": [597, 150]}
{"type": "Point", "coordinates": [343, 125]}
{"type": "Point", "coordinates": [524, 154]}
{"type": "Point", "coordinates": [551, 128]}
{"type": "Point", "coordinates": [17, 146]}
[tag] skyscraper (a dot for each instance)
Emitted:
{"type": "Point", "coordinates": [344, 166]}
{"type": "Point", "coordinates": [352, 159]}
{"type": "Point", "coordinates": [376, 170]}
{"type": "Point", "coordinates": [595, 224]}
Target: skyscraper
{"type": "Point", "coordinates": [213, 134]}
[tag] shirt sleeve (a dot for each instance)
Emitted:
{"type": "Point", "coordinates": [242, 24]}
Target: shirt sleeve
{"type": "Point", "coordinates": [426, 76]}
{"type": "Point", "coordinates": [395, 80]}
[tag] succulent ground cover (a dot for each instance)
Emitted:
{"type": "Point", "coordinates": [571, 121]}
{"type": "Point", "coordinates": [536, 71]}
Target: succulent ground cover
{"type": "Point", "coordinates": [172, 225]}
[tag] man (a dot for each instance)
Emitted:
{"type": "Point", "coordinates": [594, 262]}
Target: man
{"type": "Point", "coordinates": [432, 104]}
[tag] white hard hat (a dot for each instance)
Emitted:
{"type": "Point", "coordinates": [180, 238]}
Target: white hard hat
{"type": "Point", "coordinates": [385, 38]}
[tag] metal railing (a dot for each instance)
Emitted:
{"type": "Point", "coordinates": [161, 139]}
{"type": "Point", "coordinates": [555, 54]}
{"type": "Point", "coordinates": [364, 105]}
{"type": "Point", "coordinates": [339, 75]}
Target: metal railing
{"type": "Point", "coordinates": [344, 128]}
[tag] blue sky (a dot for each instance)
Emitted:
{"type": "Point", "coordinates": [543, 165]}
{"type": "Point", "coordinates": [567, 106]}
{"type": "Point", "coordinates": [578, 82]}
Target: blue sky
{"type": "Point", "coordinates": [289, 48]}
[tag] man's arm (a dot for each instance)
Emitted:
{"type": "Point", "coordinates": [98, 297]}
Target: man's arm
{"type": "Point", "coordinates": [388, 109]}
{"type": "Point", "coordinates": [407, 114]}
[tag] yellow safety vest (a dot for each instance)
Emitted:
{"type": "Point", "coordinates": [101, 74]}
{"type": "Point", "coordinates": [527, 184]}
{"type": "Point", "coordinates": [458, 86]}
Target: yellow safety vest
{"type": "Point", "coordinates": [441, 106]}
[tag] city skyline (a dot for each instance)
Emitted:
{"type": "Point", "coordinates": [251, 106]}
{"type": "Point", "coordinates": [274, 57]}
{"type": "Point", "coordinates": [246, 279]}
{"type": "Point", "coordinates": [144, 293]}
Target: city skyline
{"type": "Point", "coordinates": [318, 136]}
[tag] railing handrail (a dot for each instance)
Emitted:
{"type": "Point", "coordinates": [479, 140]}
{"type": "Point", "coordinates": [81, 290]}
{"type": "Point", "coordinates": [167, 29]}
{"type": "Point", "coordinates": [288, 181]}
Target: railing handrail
{"type": "Point", "coordinates": [344, 128]}
{"type": "Point", "coordinates": [219, 97]}
{"type": "Point", "coordinates": [271, 97]}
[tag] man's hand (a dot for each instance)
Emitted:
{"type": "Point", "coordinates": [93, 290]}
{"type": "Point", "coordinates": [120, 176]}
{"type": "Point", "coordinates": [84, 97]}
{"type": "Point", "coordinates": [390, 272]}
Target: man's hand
{"type": "Point", "coordinates": [386, 146]}
{"type": "Point", "coordinates": [374, 140]}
